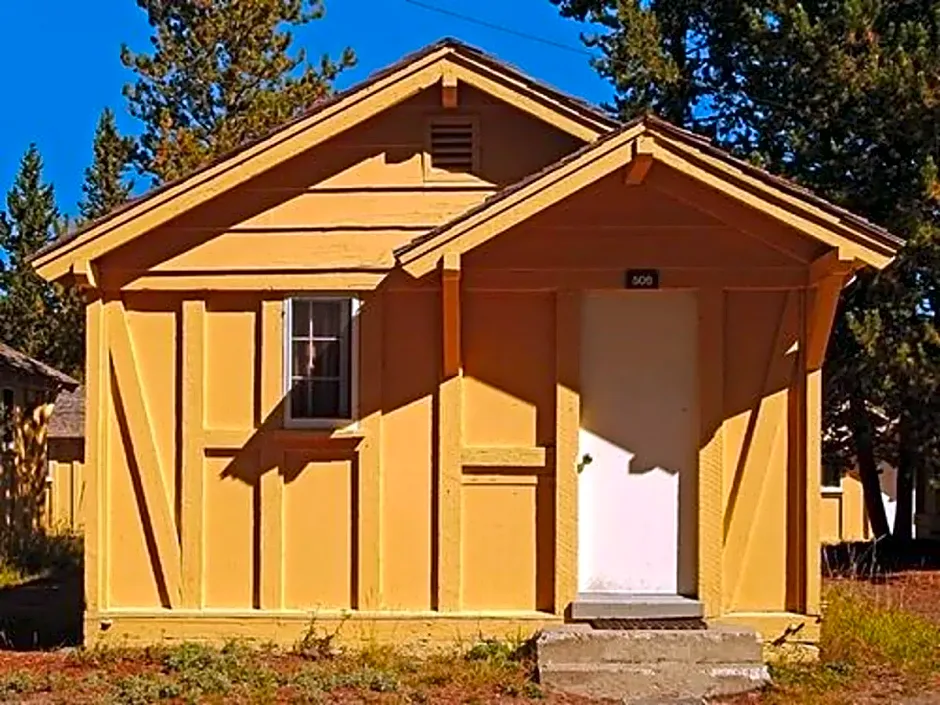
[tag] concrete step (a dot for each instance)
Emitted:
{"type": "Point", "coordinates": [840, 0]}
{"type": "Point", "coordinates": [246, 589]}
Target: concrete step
{"type": "Point", "coordinates": [715, 645]}
{"type": "Point", "coordinates": [615, 605]}
{"type": "Point", "coordinates": [660, 682]}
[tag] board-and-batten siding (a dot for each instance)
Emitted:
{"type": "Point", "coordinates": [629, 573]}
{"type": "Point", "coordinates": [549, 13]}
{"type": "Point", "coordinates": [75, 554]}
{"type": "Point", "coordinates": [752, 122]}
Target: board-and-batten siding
{"type": "Point", "coordinates": [65, 494]}
{"type": "Point", "coordinates": [351, 201]}
{"type": "Point", "coordinates": [206, 502]}
{"type": "Point", "coordinates": [192, 406]}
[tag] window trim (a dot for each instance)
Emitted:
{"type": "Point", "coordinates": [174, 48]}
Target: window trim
{"type": "Point", "coordinates": [355, 304]}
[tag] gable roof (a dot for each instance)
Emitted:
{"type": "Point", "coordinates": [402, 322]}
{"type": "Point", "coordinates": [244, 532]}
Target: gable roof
{"type": "Point", "coordinates": [22, 365]}
{"type": "Point", "coordinates": [855, 237]}
{"type": "Point", "coordinates": [413, 73]}
{"type": "Point", "coordinates": [68, 414]}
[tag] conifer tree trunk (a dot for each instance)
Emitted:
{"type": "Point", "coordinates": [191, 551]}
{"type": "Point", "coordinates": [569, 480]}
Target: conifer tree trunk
{"type": "Point", "coordinates": [862, 437]}
{"type": "Point", "coordinates": [907, 460]}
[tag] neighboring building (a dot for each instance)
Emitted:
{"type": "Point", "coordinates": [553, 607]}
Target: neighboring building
{"type": "Point", "coordinates": [28, 389]}
{"type": "Point", "coordinates": [66, 495]}
{"type": "Point", "coordinates": [454, 353]}
{"type": "Point", "coordinates": [844, 515]}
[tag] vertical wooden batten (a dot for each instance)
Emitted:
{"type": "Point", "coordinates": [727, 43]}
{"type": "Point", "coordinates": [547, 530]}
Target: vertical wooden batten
{"type": "Point", "coordinates": [369, 548]}
{"type": "Point", "coordinates": [450, 442]}
{"type": "Point", "coordinates": [97, 386]}
{"type": "Point", "coordinates": [711, 335]}
{"type": "Point", "coordinates": [567, 425]}
{"type": "Point", "coordinates": [192, 529]}
{"type": "Point", "coordinates": [449, 97]}
{"type": "Point", "coordinates": [270, 377]}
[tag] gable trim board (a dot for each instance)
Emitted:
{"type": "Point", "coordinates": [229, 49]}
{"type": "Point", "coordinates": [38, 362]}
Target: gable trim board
{"type": "Point", "coordinates": [447, 60]}
{"type": "Point", "coordinates": [855, 239]}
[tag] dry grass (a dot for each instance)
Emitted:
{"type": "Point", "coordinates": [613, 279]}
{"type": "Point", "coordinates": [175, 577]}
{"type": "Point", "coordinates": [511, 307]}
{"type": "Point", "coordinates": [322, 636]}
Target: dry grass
{"type": "Point", "coordinates": [876, 647]}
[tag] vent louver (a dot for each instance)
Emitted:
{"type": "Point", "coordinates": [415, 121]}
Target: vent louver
{"type": "Point", "coordinates": [452, 146]}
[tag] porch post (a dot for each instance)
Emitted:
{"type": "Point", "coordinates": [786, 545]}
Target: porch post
{"type": "Point", "coordinates": [711, 371]}
{"type": "Point", "coordinates": [820, 304]}
{"type": "Point", "coordinates": [450, 441]}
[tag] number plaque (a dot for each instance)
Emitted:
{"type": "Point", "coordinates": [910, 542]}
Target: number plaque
{"type": "Point", "coordinates": [642, 279]}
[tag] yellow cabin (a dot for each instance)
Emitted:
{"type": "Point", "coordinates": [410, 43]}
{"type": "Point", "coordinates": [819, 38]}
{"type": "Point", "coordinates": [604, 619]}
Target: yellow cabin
{"type": "Point", "coordinates": [451, 354]}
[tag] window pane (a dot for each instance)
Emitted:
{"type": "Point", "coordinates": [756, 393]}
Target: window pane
{"type": "Point", "coordinates": [326, 398]}
{"type": "Point", "coordinates": [300, 312]}
{"type": "Point", "coordinates": [318, 399]}
{"type": "Point", "coordinates": [303, 358]}
{"type": "Point", "coordinates": [326, 317]}
{"type": "Point", "coordinates": [300, 399]}
{"type": "Point", "coordinates": [327, 358]}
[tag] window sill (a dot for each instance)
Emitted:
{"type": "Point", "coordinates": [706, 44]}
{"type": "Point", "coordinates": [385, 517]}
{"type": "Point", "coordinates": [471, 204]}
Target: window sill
{"type": "Point", "coordinates": [311, 435]}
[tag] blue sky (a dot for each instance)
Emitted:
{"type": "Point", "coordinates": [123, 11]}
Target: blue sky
{"type": "Point", "coordinates": [60, 65]}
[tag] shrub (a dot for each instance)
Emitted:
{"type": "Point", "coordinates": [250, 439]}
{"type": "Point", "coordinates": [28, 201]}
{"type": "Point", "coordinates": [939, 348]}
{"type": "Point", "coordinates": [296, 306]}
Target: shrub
{"type": "Point", "coordinates": [43, 554]}
{"type": "Point", "coordinates": [144, 689]}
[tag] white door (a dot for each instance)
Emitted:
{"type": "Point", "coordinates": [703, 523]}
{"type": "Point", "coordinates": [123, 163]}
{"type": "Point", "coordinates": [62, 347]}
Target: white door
{"type": "Point", "coordinates": [639, 427]}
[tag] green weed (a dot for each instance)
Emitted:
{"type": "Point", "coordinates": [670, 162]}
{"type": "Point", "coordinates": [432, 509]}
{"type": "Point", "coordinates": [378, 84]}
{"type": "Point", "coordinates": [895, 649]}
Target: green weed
{"type": "Point", "coordinates": [143, 689]}
{"type": "Point", "coordinates": [857, 630]}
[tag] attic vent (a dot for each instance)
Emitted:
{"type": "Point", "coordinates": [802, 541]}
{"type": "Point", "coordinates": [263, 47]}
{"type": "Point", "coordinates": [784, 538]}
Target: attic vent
{"type": "Point", "coordinates": [452, 146]}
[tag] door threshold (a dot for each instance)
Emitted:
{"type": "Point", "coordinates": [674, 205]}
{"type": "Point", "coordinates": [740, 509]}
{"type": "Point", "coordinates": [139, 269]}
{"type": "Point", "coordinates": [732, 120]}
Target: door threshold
{"type": "Point", "coordinates": [630, 605]}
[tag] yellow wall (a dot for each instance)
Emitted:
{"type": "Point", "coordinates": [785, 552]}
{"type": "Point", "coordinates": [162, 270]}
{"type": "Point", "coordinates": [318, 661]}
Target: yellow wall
{"type": "Point", "coordinates": [347, 204]}
{"type": "Point", "coordinates": [453, 498]}
{"type": "Point", "coordinates": [842, 512]}
{"type": "Point", "coordinates": [65, 508]}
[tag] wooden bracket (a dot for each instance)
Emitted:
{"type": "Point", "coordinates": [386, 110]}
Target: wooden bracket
{"type": "Point", "coordinates": [822, 312]}
{"type": "Point", "coordinates": [449, 96]}
{"type": "Point", "coordinates": [84, 274]}
{"type": "Point", "coordinates": [642, 161]}
{"type": "Point", "coordinates": [829, 264]}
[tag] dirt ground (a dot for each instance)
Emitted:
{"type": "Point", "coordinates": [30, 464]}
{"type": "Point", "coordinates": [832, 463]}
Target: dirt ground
{"type": "Point", "coordinates": [65, 676]}
{"type": "Point", "coordinates": [40, 625]}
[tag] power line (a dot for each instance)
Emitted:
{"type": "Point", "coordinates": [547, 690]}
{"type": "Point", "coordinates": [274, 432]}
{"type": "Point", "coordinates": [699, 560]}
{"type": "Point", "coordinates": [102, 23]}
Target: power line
{"type": "Point", "coordinates": [498, 27]}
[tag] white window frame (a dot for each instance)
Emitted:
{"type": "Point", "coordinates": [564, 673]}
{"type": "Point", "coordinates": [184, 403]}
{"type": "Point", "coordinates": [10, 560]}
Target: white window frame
{"type": "Point", "coordinates": [351, 423]}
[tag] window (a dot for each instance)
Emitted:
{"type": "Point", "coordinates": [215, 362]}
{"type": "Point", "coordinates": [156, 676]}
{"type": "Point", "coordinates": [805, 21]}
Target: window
{"type": "Point", "coordinates": [451, 147]}
{"type": "Point", "coordinates": [831, 477]}
{"type": "Point", "coordinates": [320, 359]}
{"type": "Point", "coordinates": [6, 419]}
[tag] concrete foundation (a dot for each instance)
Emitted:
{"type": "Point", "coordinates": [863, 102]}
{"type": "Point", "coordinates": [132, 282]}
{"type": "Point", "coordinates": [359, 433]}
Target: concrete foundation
{"type": "Point", "coordinates": [651, 665]}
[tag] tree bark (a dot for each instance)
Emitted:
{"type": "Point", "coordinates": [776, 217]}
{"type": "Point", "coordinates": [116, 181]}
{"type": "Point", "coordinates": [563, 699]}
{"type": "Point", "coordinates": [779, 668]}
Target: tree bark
{"type": "Point", "coordinates": [907, 458]}
{"type": "Point", "coordinates": [863, 439]}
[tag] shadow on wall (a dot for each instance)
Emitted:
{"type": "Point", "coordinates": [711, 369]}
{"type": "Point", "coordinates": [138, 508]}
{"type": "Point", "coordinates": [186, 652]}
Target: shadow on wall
{"type": "Point", "coordinates": [382, 146]}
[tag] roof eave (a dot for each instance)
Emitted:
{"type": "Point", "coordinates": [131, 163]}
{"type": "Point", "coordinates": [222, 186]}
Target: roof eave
{"type": "Point", "coordinates": [873, 245]}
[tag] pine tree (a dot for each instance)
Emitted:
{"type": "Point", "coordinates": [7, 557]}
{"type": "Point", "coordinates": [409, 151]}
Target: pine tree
{"type": "Point", "coordinates": [665, 56]}
{"type": "Point", "coordinates": [106, 185]}
{"type": "Point", "coordinates": [221, 74]}
{"type": "Point", "coordinates": [840, 96]}
{"type": "Point", "coordinates": [34, 315]}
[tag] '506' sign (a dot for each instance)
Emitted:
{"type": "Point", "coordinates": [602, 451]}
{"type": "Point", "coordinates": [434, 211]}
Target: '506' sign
{"type": "Point", "coordinates": [642, 279]}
